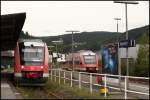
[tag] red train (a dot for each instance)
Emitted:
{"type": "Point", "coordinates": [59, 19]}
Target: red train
{"type": "Point", "coordinates": [84, 60]}
{"type": "Point", "coordinates": [31, 62]}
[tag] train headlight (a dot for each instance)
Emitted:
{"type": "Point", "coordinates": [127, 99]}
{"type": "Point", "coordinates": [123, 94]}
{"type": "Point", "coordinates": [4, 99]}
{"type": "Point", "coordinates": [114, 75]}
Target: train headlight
{"type": "Point", "coordinates": [22, 67]}
{"type": "Point", "coordinates": [41, 66]}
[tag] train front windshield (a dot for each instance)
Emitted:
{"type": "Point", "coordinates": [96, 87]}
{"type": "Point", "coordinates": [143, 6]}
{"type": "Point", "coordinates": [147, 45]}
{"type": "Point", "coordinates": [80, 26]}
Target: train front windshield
{"type": "Point", "coordinates": [90, 59]}
{"type": "Point", "coordinates": [32, 56]}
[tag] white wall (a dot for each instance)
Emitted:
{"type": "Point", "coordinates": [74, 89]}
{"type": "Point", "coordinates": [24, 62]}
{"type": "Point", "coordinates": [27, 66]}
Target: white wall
{"type": "Point", "coordinates": [7, 53]}
{"type": "Point", "coordinates": [132, 52]}
{"type": "Point", "coordinates": [62, 59]}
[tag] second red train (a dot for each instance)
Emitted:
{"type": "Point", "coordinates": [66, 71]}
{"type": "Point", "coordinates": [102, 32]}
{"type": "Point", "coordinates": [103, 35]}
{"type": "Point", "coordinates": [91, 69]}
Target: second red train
{"type": "Point", "coordinates": [84, 60]}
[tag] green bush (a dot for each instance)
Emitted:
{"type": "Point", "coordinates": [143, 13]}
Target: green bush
{"type": "Point", "coordinates": [142, 61]}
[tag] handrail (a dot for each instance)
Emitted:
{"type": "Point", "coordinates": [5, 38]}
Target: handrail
{"type": "Point", "coordinates": [91, 83]}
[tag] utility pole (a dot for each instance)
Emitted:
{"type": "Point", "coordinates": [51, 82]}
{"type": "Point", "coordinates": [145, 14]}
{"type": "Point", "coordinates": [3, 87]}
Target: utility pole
{"type": "Point", "coordinates": [117, 19]}
{"type": "Point", "coordinates": [72, 31]}
{"type": "Point", "coordinates": [49, 50]}
{"type": "Point", "coordinates": [119, 67]}
{"type": "Point", "coordinates": [126, 2]}
{"type": "Point", "coordinates": [56, 45]}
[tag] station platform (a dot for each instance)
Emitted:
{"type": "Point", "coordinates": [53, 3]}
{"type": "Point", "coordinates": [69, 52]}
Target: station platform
{"type": "Point", "coordinates": [8, 91]}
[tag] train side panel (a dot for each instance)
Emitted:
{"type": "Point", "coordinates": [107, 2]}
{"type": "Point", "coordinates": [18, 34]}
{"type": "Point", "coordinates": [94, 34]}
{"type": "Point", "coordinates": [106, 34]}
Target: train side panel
{"type": "Point", "coordinates": [46, 66]}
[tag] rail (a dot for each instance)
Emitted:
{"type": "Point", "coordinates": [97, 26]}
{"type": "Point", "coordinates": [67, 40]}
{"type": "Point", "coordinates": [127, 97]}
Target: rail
{"type": "Point", "coordinates": [90, 78]}
{"type": "Point", "coordinates": [52, 94]}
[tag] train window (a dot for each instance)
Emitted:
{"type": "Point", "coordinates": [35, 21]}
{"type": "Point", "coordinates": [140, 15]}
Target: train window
{"type": "Point", "coordinates": [32, 56]}
{"type": "Point", "coordinates": [77, 62]}
{"type": "Point", "coordinates": [90, 59]}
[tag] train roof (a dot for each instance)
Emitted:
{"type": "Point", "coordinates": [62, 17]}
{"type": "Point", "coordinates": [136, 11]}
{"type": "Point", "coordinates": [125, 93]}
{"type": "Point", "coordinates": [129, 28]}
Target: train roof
{"type": "Point", "coordinates": [85, 52]}
{"type": "Point", "coordinates": [80, 51]}
{"type": "Point", "coordinates": [30, 40]}
{"type": "Point", "coordinates": [11, 26]}
{"type": "Point", "coordinates": [9, 53]}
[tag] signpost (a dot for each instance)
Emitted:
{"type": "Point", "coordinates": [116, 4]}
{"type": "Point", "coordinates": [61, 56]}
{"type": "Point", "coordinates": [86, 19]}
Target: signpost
{"type": "Point", "coordinates": [127, 43]}
{"type": "Point", "coordinates": [126, 3]}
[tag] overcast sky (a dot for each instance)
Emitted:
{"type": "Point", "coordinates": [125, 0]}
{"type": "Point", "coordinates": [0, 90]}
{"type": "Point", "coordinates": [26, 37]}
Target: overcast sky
{"type": "Point", "coordinates": [51, 18]}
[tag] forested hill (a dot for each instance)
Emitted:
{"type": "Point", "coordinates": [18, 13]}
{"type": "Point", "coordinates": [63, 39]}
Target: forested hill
{"type": "Point", "coordinates": [137, 33]}
{"type": "Point", "coordinates": [91, 40]}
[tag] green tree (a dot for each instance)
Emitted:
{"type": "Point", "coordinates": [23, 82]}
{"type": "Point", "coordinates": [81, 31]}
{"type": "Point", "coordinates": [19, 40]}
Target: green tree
{"type": "Point", "coordinates": [27, 33]}
{"type": "Point", "coordinates": [142, 61]}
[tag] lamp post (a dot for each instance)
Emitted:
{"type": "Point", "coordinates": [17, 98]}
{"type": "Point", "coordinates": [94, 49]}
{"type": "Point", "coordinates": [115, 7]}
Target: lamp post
{"type": "Point", "coordinates": [119, 67]}
{"type": "Point", "coordinates": [126, 2]}
{"type": "Point", "coordinates": [72, 31]}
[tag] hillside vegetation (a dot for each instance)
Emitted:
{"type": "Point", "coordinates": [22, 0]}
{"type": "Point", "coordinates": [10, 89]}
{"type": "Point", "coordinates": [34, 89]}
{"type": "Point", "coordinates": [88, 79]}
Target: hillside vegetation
{"type": "Point", "coordinates": [90, 40]}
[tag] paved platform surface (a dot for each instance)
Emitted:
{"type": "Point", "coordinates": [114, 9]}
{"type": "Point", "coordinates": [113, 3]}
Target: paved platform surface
{"type": "Point", "coordinates": [8, 91]}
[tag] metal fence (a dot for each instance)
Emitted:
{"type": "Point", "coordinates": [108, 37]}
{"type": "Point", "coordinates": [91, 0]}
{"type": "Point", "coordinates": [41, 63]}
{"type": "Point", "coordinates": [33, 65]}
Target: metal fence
{"type": "Point", "coordinates": [110, 81]}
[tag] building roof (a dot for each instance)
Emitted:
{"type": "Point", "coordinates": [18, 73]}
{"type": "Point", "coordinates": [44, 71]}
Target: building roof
{"type": "Point", "coordinates": [11, 26]}
{"type": "Point", "coordinates": [9, 53]}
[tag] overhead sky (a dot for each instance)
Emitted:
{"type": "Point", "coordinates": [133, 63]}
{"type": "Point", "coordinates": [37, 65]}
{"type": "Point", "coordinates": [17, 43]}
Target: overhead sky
{"type": "Point", "coordinates": [52, 18]}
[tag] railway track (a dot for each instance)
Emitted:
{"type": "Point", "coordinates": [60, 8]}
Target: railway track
{"type": "Point", "coordinates": [52, 94]}
{"type": "Point", "coordinates": [9, 76]}
{"type": "Point", "coordinates": [46, 93]}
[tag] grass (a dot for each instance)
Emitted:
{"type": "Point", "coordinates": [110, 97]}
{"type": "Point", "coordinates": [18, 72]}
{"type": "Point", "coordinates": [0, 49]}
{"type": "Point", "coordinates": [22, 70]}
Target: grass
{"type": "Point", "coordinates": [62, 90]}
{"type": "Point", "coordinates": [29, 92]}
{"type": "Point", "coordinates": [77, 93]}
